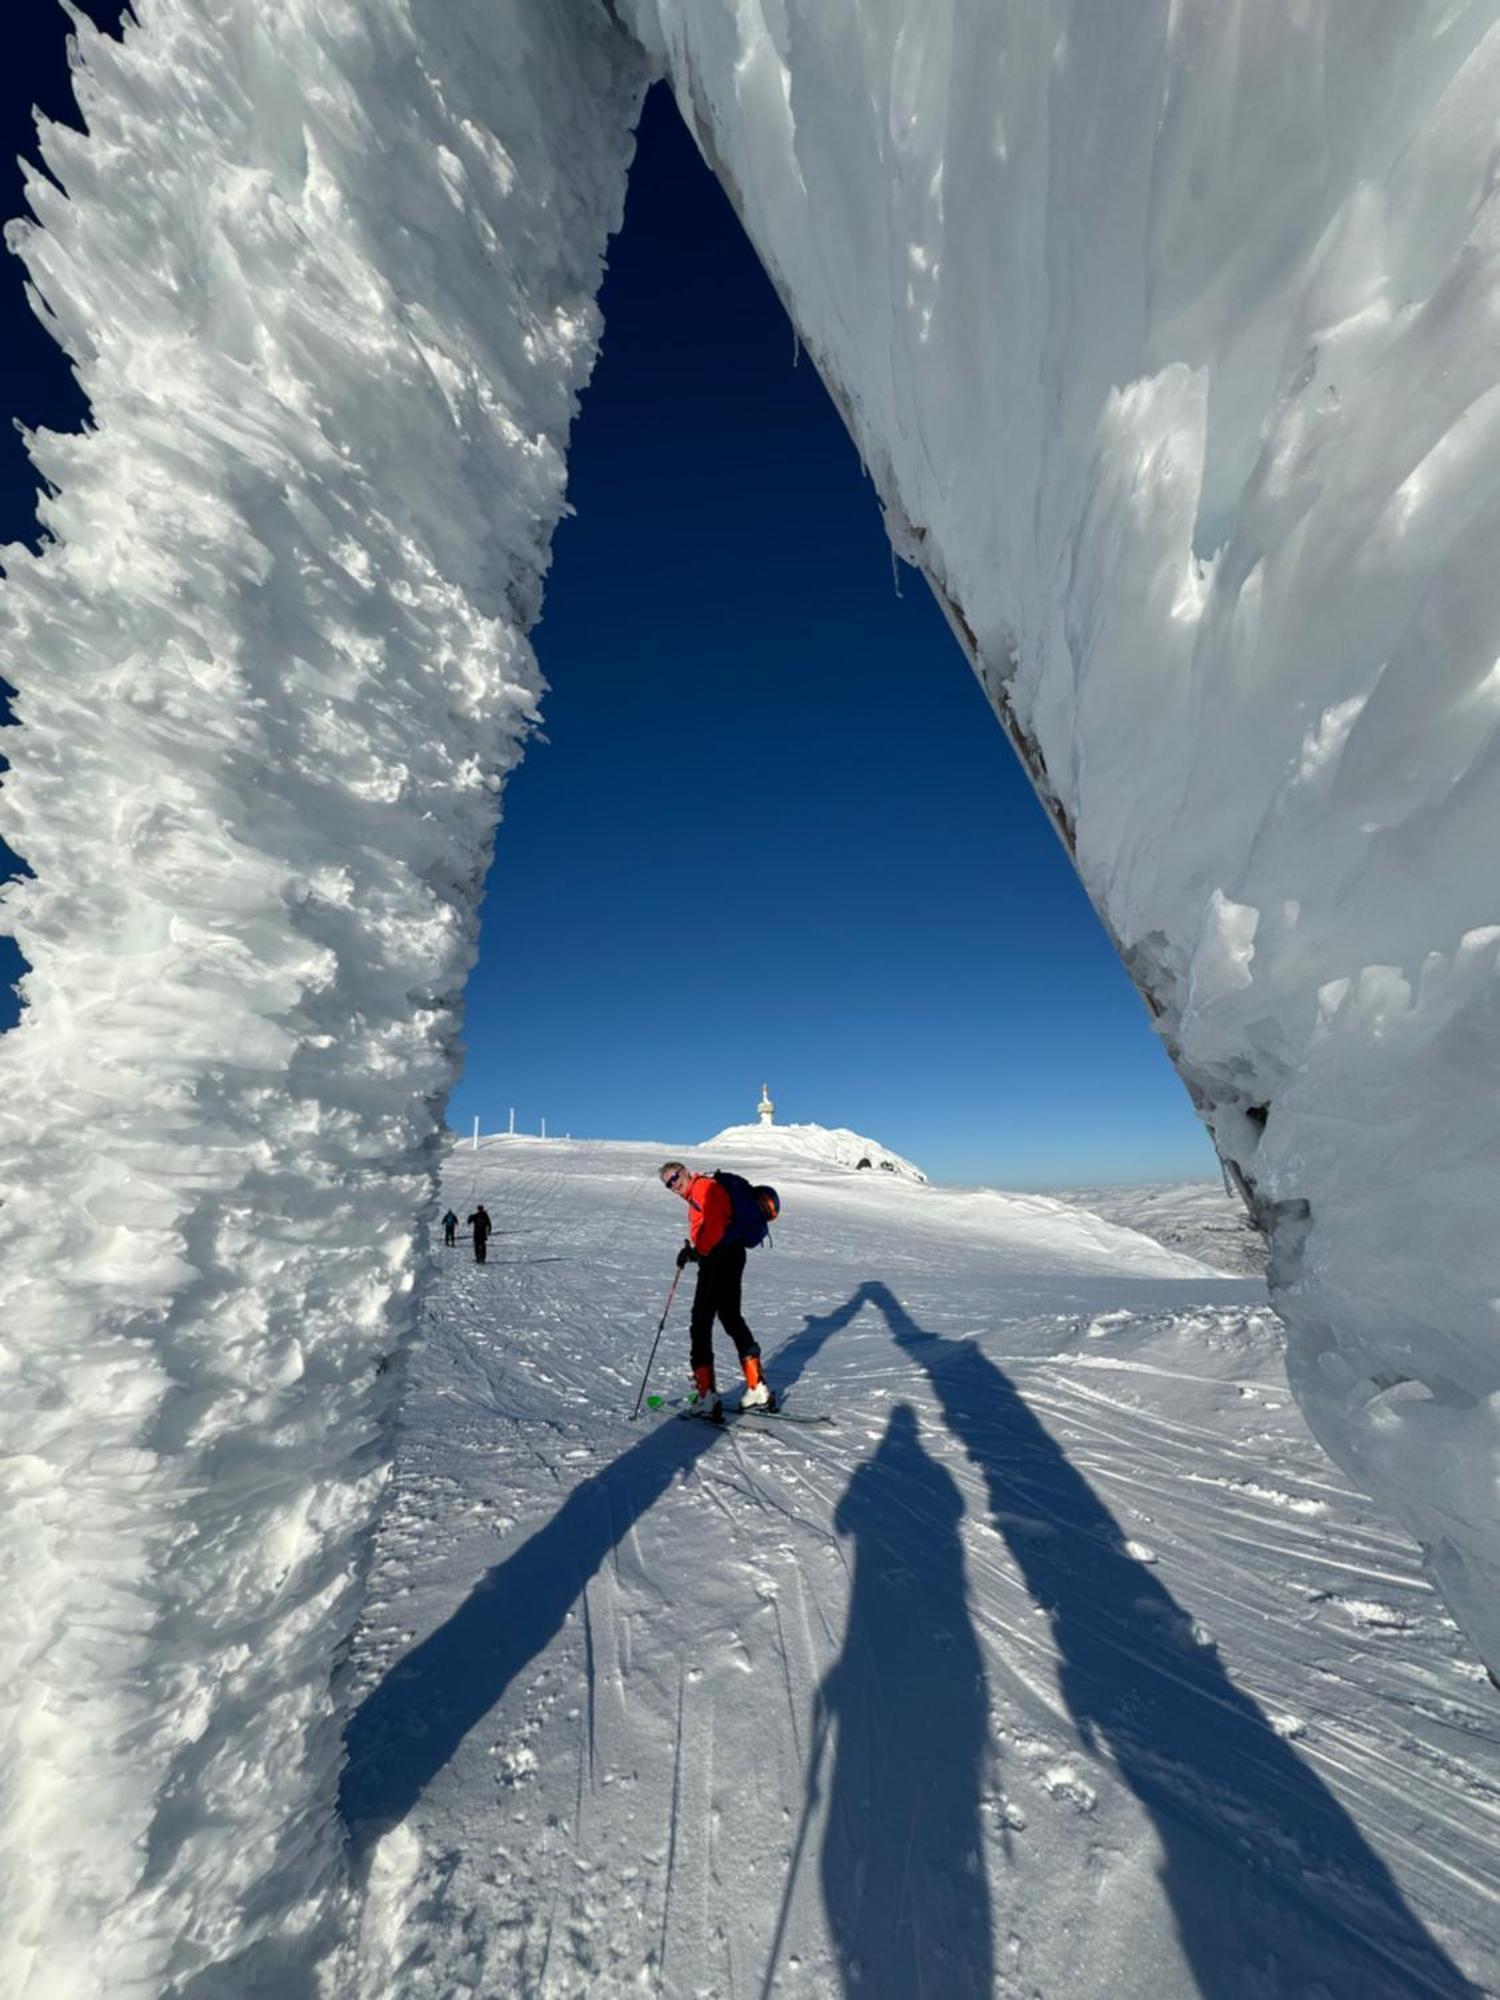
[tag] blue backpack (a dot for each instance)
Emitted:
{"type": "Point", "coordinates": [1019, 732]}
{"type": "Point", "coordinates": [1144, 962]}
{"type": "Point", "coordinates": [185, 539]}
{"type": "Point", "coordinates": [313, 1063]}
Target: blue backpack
{"type": "Point", "coordinates": [753, 1210]}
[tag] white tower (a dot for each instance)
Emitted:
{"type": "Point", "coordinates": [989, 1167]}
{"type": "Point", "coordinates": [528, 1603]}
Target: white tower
{"type": "Point", "coordinates": [766, 1110]}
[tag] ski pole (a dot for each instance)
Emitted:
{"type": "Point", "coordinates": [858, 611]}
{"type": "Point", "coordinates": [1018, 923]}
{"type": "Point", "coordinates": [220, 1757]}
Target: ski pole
{"type": "Point", "coordinates": [654, 1345]}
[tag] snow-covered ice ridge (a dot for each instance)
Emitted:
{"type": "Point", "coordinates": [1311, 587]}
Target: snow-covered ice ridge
{"type": "Point", "coordinates": [1167, 333]}
{"type": "Point", "coordinates": [834, 1144]}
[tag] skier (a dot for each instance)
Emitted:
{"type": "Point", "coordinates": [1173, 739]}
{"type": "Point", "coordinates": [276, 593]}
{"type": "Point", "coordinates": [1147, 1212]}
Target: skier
{"type": "Point", "coordinates": [721, 1270]}
{"type": "Point", "coordinates": [481, 1225]}
{"type": "Point", "coordinates": [450, 1229]}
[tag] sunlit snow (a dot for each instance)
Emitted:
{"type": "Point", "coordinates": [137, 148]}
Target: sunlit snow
{"type": "Point", "coordinates": [1167, 334]}
{"type": "Point", "coordinates": [833, 1146]}
{"type": "Point", "coordinates": [1061, 1663]}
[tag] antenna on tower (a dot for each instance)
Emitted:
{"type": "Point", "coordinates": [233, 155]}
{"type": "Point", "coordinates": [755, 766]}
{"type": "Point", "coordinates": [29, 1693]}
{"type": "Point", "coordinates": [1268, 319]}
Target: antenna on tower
{"type": "Point", "coordinates": [766, 1110]}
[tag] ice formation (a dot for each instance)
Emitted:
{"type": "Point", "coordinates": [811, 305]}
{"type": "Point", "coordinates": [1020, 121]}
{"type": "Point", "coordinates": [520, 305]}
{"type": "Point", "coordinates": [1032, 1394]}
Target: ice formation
{"type": "Point", "coordinates": [328, 278]}
{"type": "Point", "coordinates": [1168, 335]}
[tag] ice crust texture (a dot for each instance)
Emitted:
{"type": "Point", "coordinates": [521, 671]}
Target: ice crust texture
{"type": "Point", "coordinates": [1168, 336]}
{"type": "Point", "coordinates": [328, 277]}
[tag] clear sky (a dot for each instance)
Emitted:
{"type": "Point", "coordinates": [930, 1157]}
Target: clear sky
{"type": "Point", "coordinates": [773, 831]}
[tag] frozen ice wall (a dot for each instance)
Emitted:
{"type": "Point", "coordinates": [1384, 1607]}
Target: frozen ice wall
{"type": "Point", "coordinates": [1169, 335]}
{"type": "Point", "coordinates": [327, 273]}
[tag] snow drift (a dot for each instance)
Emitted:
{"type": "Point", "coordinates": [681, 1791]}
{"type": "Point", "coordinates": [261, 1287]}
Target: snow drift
{"type": "Point", "coordinates": [1168, 334]}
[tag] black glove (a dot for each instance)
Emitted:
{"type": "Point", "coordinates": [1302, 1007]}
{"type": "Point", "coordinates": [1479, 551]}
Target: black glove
{"type": "Point", "coordinates": [686, 1255]}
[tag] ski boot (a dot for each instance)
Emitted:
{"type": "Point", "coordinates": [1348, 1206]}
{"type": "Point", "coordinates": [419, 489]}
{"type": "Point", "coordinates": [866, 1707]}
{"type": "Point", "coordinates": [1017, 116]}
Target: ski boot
{"type": "Point", "coordinates": [704, 1401]}
{"type": "Point", "coordinates": [759, 1395]}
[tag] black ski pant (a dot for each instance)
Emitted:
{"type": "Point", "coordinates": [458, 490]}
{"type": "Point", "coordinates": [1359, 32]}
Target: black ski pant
{"type": "Point", "coordinates": [481, 1245]}
{"type": "Point", "coordinates": [720, 1275]}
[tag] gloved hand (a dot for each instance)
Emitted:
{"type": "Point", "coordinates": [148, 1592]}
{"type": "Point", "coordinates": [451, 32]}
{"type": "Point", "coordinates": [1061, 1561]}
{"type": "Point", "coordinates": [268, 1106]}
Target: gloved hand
{"type": "Point", "coordinates": [686, 1255]}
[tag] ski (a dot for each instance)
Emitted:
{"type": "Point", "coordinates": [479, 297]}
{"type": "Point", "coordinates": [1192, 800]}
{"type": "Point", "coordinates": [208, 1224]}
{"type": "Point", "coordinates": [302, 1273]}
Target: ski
{"type": "Point", "coordinates": [678, 1404]}
{"type": "Point", "coordinates": [782, 1416]}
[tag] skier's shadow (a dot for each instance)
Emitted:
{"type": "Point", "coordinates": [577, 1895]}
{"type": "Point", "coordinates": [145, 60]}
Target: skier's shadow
{"type": "Point", "coordinates": [413, 1720]}
{"type": "Point", "coordinates": [905, 1884]}
{"type": "Point", "coordinates": [1273, 1887]}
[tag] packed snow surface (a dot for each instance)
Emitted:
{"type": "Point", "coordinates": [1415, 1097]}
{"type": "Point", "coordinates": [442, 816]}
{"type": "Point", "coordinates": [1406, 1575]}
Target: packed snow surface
{"type": "Point", "coordinates": [1062, 1664]}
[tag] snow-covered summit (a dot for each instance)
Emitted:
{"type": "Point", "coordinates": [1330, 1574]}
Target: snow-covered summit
{"type": "Point", "coordinates": [825, 1145]}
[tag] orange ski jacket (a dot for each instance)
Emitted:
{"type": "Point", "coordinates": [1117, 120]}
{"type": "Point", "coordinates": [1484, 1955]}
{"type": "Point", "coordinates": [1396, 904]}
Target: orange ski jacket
{"type": "Point", "coordinates": [709, 1211]}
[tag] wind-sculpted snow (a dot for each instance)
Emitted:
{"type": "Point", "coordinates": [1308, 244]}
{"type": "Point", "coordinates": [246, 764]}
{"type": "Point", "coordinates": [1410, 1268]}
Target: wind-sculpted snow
{"type": "Point", "coordinates": [1168, 334]}
{"type": "Point", "coordinates": [327, 274]}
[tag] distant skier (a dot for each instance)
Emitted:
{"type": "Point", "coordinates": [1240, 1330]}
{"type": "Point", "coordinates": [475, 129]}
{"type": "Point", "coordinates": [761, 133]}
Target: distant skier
{"type": "Point", "coordinates": [721, 1271]}
{"type": "Point", "coordinates": [481, 1225]}
{"type": "Point", "coordinates": [450, 1229]}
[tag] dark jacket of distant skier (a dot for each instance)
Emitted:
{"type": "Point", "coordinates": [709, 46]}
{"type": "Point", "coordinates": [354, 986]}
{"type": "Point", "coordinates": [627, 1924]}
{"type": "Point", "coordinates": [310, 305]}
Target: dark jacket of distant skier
{"type": "Point", "coordinates": [721, 1272]}
{"type": "Point", "coordinates": [481, 1225]}
{"type": "Point", "coordinates": [450, 1227]}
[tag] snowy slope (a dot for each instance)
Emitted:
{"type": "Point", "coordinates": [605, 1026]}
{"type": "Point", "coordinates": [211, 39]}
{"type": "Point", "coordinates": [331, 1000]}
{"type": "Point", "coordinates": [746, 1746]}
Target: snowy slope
{"type": "Point", "coordinates": [1063, 1666]}
{"type": "Point", "coordinates": [1192, 1216]}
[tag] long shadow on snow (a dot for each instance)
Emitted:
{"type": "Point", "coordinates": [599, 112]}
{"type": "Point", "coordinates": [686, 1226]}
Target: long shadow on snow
{"type": "Point", "coordinates": [905, 1884]}
{"type": "Point", "coordinates": [411, 1722]}
{"type": "Point", "coordinates": [1273, 1887]}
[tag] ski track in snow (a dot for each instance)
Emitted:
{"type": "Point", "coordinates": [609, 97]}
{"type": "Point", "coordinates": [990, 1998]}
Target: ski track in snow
{"type": "Point", "coordinates": [1066, 1664]}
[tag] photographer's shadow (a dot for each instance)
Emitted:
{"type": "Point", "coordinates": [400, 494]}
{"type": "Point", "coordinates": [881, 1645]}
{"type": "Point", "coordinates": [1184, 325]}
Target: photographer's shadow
{"type": "Point", "coordinates": [905, 1881]}
{"type": "Point", "coordinates": [1273, 1887]}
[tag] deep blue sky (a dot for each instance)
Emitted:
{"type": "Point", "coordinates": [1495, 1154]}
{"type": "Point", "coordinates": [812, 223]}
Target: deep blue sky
{"type": "Point", "coordinates": [773, 830]}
